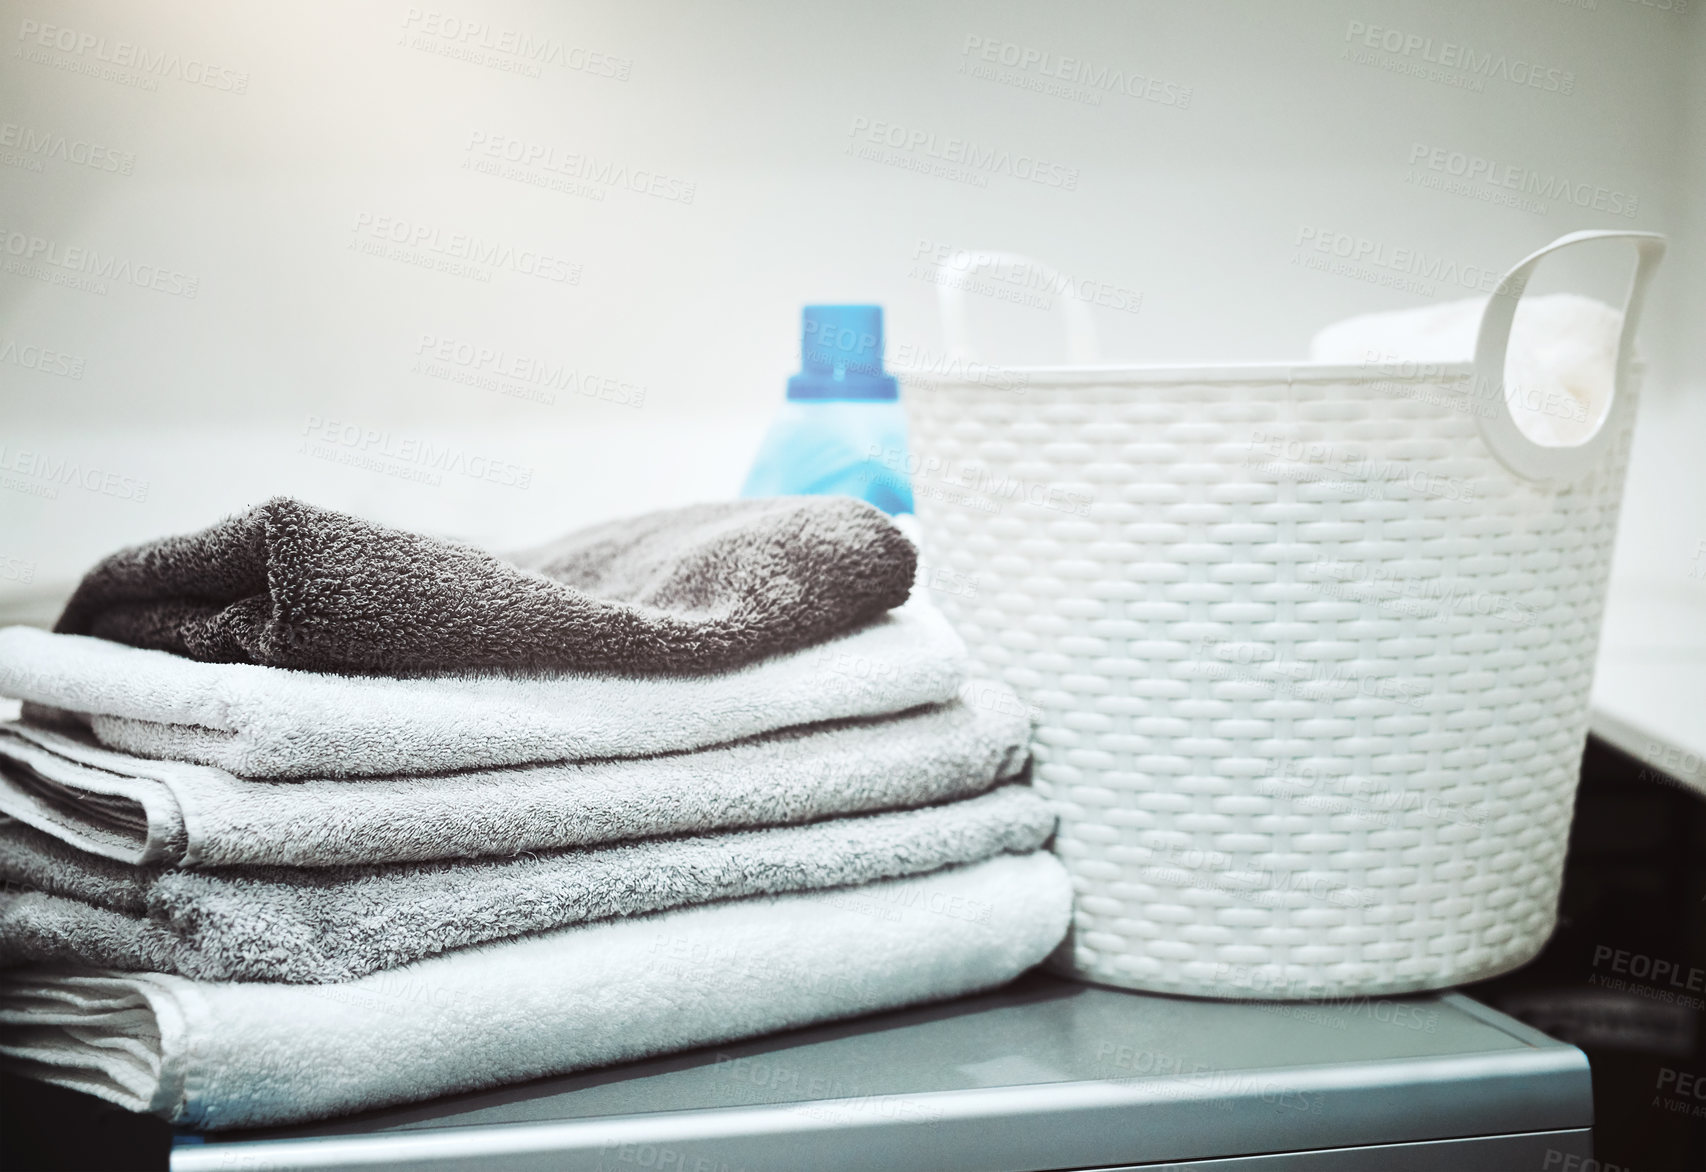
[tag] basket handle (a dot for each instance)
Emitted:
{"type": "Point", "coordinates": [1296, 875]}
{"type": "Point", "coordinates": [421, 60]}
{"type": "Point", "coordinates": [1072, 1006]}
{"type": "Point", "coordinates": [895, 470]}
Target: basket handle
{"type": "Point", "coordinates": [1081, 344]}
{"type": "Point", "coordinates": [1542, 462]}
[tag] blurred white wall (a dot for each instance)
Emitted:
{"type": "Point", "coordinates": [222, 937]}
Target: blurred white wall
{"type": "Point", "coordinates": [252, 249]}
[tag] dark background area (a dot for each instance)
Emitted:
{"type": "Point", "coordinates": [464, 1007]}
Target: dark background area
{"type": "Point", "coordinates": [1635, 885]}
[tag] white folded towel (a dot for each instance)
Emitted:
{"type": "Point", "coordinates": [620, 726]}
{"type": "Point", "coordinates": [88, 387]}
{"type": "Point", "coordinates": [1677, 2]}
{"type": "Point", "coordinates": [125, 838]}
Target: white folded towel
{"type": "Point", "coordinates": [237, 1055]}
{"type": "Point", "coordinates": [272, 722]}
{"type": "Point", "coordinates": [136, 810]}
{"type": "Point", "coordinates": [1559, 363]}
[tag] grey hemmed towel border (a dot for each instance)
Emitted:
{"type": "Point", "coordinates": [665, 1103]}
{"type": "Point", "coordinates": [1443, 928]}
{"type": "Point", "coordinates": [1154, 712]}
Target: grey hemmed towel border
{"type": "Point", "coordinates": [314, 926]}
{"type": "Point", "coordinates": [140, 810]}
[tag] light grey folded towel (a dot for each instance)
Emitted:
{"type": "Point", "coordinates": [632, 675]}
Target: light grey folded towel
{"type": "Point", "coordinates": [309, 926]}
{"type": "Point", "coordinates": [703, 588]}
{"type": "Point", "coordinates": [138, 810]}
{"type": "Point", "coordinates": [221, 1055]}
{"type": "Point", "coordinates": [271, 722]}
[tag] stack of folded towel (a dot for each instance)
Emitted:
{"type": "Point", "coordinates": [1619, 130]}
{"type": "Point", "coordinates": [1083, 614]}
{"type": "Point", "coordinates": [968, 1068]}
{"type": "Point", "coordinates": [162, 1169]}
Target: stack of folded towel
{"type": "Point", "coordinates": [305, 815]}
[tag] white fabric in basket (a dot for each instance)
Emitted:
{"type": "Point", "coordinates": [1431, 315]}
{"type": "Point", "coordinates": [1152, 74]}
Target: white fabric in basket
{"type": "Point", "coordinates": [1562, 354]}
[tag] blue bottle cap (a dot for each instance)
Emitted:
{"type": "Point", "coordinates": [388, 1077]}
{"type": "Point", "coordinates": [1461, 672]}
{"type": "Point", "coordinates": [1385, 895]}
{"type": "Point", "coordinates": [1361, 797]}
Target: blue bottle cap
{"type": "Point", "coordinates": [841, 354]}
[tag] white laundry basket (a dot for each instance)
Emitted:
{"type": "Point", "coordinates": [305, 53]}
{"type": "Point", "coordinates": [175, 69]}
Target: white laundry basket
{"type": "Point", "coordinates": [1309, 648]}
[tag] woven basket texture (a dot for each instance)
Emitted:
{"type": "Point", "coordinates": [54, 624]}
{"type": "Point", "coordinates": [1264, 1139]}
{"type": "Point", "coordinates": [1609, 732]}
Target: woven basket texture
{"type": "Point", "coordinates": [1309, 667]}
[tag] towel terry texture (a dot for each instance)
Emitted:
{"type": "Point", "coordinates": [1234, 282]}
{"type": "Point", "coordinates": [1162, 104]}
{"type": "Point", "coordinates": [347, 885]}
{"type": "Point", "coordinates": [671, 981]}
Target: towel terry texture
{"type": "Point", "coordinates": [137, 810]}
{"type": "Point", "coordinates": [224, 1055]}
{"type": "Point", "coordinates": [334, 924]}
{"type": "Point", "coordinates": [307, 815]}
{"type": "Point", "coordinates": [703, 588]}
{"type": "Point", "coordinates": [266, 722]}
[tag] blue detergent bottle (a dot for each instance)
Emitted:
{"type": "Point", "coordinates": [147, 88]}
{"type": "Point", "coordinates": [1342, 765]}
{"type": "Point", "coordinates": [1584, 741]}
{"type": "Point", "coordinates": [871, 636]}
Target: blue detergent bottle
{"type": "Point", "coordinates": [842, 429]}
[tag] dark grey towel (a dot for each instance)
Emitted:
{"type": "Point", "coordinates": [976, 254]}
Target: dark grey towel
{"type": "Point", "coordinates": [699, 589]}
